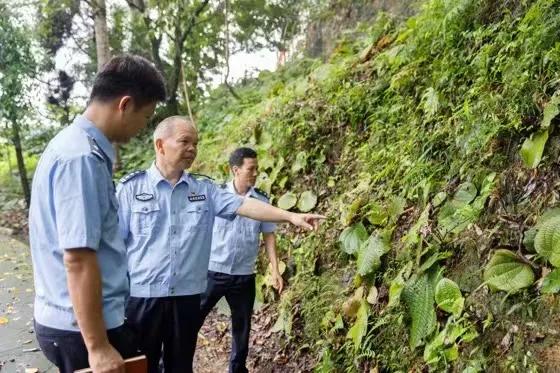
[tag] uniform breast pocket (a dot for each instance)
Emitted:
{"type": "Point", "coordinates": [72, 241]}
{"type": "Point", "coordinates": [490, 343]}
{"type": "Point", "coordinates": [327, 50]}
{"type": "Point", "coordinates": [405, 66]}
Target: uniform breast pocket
{"type": "Point", "coordinates": [144, 218]}
{"type": "Point", "coordinates": [196, 216]}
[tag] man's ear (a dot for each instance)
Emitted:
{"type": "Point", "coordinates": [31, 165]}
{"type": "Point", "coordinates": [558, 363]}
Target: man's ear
{"type": "Point", "coordinates": [125, 103]}
{"type": "Point", "coordinates": [159, 146]}
{"type": "Point", "coordinates": [234, 170]}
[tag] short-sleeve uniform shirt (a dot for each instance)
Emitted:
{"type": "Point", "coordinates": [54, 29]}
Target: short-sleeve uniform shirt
{"type": "Point", "coordinates": [168, 230]}
{"type": "Point", "coordinates": [73, 205]}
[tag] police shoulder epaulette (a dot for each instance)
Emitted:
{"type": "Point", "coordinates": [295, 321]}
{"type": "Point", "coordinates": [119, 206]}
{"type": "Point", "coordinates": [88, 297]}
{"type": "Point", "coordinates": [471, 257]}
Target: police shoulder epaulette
{"type": "Point", "coordinates": [262, 193]}
{"type": "Point", "coordinates": [130, 176]}
{"type": "Point", "coordinates": [95, 149]}
{"type": "Point", "coordinates": [201, 176]}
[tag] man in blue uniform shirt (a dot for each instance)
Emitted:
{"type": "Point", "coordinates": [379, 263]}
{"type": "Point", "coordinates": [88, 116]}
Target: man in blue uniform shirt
{"type": "Point", "coordinates": [166, 217]}
{"type": "Point", "coordinates": [235, 245]}
{"type": "Point", "coordinates": [79, 257]}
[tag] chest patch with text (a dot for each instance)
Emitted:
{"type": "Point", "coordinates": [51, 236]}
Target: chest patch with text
{"type": "Point", "coordinates": [197, 198]}
{"type": "Point", "coordinates": [144, 197]}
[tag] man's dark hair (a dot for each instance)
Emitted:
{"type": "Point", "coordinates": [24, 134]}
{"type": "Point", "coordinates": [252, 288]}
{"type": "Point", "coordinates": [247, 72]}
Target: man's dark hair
{"type": "Point", "coordinates": [238, 155]}
{"type": "Point", "coordinates": [129, 75]}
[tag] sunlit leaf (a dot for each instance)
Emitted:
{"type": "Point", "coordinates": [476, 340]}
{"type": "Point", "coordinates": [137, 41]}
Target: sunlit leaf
{"type": "Point", "coordinates": [352, 238]}
{"type": "Point", "coordinates": [448, 297]}
{"type": "Point", "coordinates": [287, 201]}
{"type": "Point", "coordinates": [533, 148]}
{"type": "Point", "coordinates": [505, 271]}
{"type": "Point", "coordinates": [307, 201]}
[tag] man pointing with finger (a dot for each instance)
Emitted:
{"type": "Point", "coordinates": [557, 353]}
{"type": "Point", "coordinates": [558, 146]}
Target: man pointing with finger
{"type": "Point", "coordinates": [166, 218]}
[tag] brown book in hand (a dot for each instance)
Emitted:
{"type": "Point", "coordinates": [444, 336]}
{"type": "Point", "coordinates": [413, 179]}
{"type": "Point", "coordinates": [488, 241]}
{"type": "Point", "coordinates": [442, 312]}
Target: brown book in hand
{"type": "Point", "coordinates": [137, 364]}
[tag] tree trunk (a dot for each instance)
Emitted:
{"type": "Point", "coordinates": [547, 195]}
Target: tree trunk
{"type": "Point", "coordinates": [101, 35]}
{"type": "Point", "coordinates": [103, 53]}
{"type": "Point", "coordinates": [16, 139]}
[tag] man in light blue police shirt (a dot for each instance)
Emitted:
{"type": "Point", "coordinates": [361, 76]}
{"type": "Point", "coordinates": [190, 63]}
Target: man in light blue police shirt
{"type": "Point", "coordinates": [79, 257]}
{"type": "Point", "coordinates": [235, 245]}
{"type": "Point", "coordinates": [166, 217]}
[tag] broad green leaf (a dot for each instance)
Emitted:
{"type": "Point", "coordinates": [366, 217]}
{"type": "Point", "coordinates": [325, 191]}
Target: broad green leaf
{"type": "Point", "coordinates": [530, 234]}
{"type": "Point", "coordinates": [547, 241]}
{"type": "Point", "coordinates": [300, 162]}
{"type": "Point", "coordinates": [551, 283]}
{"type": "Point", "coordinates": [370, 253]}
{"type": "Point", "coordinates": [464, 195]}
{"type": "Point", "coordinates": [287, 201]}
{"type": "Point", "coordinates": [551, 110]}
{"type": "Point", "coordinates": [359, 329]}
{"type": "Point", "coordinates": [353, 237]}
{"type": "Point", "coordinates": [448, 297]}
{"type": "Point", "coordinates": [307, 201]}
{"type": "Point", "coordinates": [507, 272]}
{"type": "Point", "coordinates": [533, 148]}
{"type": "Point", "coordinates": [419, 299]}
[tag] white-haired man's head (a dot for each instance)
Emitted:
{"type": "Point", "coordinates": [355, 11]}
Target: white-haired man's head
{"type": "Point", "coordinates": [175, 142]}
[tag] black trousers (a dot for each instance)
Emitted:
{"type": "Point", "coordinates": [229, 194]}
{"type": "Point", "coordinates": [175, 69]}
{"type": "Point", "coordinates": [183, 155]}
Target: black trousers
{"type": "Point", "coordinates": [168, 323]}
{"type": "Point", "coordinates": [66, 349]}
{"type": "Point", "coordinates": [239, 291]}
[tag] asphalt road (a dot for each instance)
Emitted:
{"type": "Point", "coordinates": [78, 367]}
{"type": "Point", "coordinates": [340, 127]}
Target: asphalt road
{"type": "Point", "coordinates": [19, 351]}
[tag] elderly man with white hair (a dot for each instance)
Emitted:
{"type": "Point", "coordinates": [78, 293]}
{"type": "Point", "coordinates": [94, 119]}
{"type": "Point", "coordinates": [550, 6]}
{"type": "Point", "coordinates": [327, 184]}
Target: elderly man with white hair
{"type": "Point", "coordinates": [166, 217]}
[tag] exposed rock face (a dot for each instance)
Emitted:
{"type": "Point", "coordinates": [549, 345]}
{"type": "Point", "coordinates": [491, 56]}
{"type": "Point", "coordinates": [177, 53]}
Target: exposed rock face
{"type": "Point", "coordinates": [340, 15]}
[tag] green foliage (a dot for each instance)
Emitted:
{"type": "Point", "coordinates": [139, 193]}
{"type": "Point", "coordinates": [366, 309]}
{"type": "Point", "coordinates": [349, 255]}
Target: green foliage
{"type": "Point", "coordinates": [465, 207]}
{"type": "Point", "coordinates": [448, 297]}
{"type": "Point", "coordinates": [307, 201]}
{"type": "Point", "coordinates": [411, 129]}
{"type": "Point", "coordinates": [370, 253]}
{"type": "Point", "coordinates": [418, 296]}
{"type": "Point", "coordinates": [287, 201]}
{"type": "Point", "coordinates": [507, 272]}
{"type": "Point", "coordinates": [551, 282]}
{"type": "Point", "coordinates": [359, 329]}
{"type": "Point", "coordinates": [533, 148]}
{"type": "Point", "coordinates": [547, 241]}
{"type": "Point", "coordinates": [353, 237]}
{"type": "Point", "coordinates": [443, 349]}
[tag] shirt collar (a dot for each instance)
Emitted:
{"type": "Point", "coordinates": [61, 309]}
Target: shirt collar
{"type": "Point", "coordinates": [231, 188]}
{"type": "Point", "coordinates": [101, 140]}
{"type": "Point", "coordinates": [156, 176]}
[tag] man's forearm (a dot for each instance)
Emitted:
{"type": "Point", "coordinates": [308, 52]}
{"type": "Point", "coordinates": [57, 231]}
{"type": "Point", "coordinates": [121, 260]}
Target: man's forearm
{"type": "Point", "coordinates": [270, 244]}
{"type": "Point", "coordinates": [84, 286]}
{"type": "Point", "coordinates": [255, 209]}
